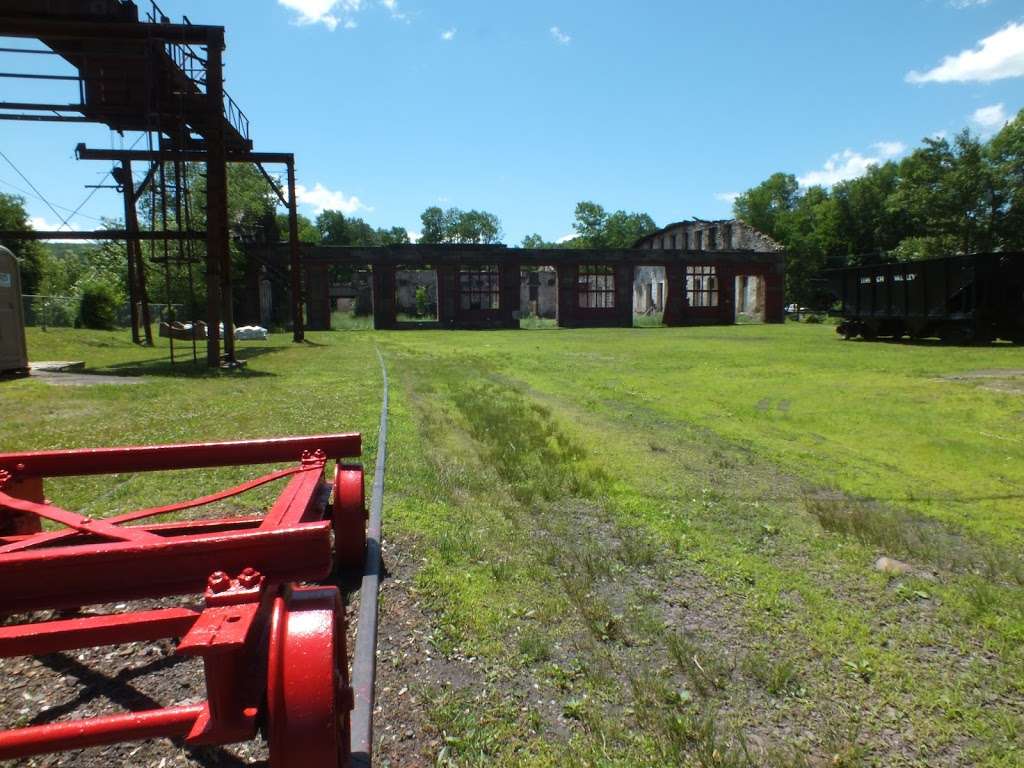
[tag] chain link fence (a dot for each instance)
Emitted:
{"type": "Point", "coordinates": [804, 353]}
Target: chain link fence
{"type": "Point", "coordinates": [65, 311]}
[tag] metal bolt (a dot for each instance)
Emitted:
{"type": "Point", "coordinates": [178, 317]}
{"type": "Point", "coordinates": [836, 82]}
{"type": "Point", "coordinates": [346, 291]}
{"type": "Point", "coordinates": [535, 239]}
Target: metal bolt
{"type": "Point", "coordinates": [219, 581]}
{"type": "Point", "coordinates": [249, 578]}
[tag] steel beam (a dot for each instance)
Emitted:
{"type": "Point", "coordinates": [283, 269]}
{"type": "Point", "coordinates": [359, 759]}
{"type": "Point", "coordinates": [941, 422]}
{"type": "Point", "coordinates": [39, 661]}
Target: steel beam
{"type": "Point", "coordinates": [97, 234]}
{"type": "Point", "coordinates": [83, 152]}
{"type": "Point", "coordinates": [148, 458]}
{"type": "Point", "coordinates": [44, 637]}
{"type": "Point", "coordinates": [97, 731]}
{"type": "Point", "coordinates": [88, 574]}
{"type": "Point", "coordinates": [48, 29]}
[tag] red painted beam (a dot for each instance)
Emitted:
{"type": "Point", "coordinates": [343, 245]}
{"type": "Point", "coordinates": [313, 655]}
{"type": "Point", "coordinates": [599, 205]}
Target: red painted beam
{"type": "Point", "coordinates": [103, 461]}
{"type": "Point", "coordinates": [175, 528]}
{"type": "Point", "coordinates": [97, 731]}
{"type": "Point", "coordinates": [89, 631]}
{"type": "Point", "coordinates": [67, 577]}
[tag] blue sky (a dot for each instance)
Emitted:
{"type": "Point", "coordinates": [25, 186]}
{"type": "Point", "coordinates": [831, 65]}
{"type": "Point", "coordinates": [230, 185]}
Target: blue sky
{"type": "Point", "coordinates": [525, 108]}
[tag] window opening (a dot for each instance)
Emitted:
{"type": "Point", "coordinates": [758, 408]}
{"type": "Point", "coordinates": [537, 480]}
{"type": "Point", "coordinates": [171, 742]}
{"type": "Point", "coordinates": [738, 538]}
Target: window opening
{"type": "Point", "coordinates": [478, 288]}
{"type": "Point", "coordinates": [596, 287]}
{"type": "Point", "coordinates": [702, 286]}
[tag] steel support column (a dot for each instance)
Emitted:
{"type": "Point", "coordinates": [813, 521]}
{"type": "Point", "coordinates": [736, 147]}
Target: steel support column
{"type": "Point", "coordinates": [128, 190]}
{"type": "Point", "coordinates": [217, 251]}
{"type": "Point", "coordinates": [136, 266]}
{"type": "Point", "coordinates": [298, 330]}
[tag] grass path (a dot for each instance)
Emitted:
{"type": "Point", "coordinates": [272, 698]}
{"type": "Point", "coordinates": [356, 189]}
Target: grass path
{"type": "Point", "coordinates": [648, 546]}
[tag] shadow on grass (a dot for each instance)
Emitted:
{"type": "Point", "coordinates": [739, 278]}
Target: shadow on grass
{"type": "Point", "coordinates": [905, 533]}
{"type": "Point", "coordinates": [1000, 345]}
{"type": "Point", "coordinates": [184, 366]}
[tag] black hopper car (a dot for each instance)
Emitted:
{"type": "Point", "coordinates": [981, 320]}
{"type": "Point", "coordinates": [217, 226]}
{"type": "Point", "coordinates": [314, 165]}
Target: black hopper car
{"type": "Point", "coordinates": [972, 299]}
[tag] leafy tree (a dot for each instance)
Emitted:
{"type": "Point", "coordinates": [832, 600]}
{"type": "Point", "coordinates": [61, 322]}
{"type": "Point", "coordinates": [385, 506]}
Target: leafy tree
{"type": "Point", "coordinates": [337, 229]}
{"type": "Point", "coordinates": [946, 197]}
{"type": "Point", "coordinates": [596, 228]}
{"type": "Point", "coordinates": [866, 222]}
{"type": "Point", "coordinates": [29, 253]}
{"type": "Point", "coordinates": [457, 226]}
{"type": "Point", "coordinates": [435, 227]}
{"type": "Point", "coordinates": [308, 231]}
{"type": "Point", "coordinates": [393, 236]}
{"type": "Point", "coordinates": [1005, 154]}
{"type": "Point", "coordinates": [766, 206]}
{"type": "Point", "coordinates": [536, 241]}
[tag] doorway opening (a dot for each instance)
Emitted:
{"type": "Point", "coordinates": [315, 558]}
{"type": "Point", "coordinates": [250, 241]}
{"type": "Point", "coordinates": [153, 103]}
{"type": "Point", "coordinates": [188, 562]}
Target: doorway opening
{"type": "Point", "coordinates": [650, 289]}
{"type": "Point", "coordinates": [538, 297]}
{"type": "Point", "coordinates": [416, 296]}
{"type": "Point", "coordinates": [750, 299]}
{"type": "Point", "coordinates": [351, 293]}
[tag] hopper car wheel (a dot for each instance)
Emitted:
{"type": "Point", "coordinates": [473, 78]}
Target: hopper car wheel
{"type": "Point", "coordinates": [308, 696]}
{"type": "Point", "coordinates": [349, 517]}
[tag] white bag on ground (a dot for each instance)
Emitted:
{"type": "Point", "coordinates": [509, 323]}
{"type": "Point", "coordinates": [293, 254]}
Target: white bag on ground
{"type": "Point", "coordinates": [250, 333]}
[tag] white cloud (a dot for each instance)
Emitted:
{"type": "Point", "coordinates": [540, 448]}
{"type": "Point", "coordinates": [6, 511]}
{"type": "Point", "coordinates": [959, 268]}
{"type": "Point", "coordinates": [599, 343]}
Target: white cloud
{"type": "Point", "coordinates": [335, 13]}
{"type": "Point", "coordinates": [392, 5]}
{"type": "Point", "coordinates": [320, 198]}
{"type": "Point", "coordinates": [562, 38]}
{"type": "Point", "coordinates": [990, 119]}
{"type": "Point", "coordinates": [566, 238]}
{"type": "Point", "coordinates": [890, 149]}
{"type": "Point", "coordinates": [414, 237]}
{"type": "Point", "coordinates": [727, 197]}
{"type": "Point", "coordinates": [40, 224]}
{"type": "Point", "coordinates": [998, 56]}
{"type": "Point", "coordinates": [449, 34]}
{"type": "Point", "coordinates": [321, 11]}
{"type": "Point", "coordinates": [849, 164]}
{"type": "Point", "coordinates": [961, 4]}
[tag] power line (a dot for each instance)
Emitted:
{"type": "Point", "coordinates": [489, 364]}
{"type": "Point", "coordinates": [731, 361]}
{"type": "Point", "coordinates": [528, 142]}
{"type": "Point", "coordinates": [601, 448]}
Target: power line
{"type": "Point", "coordinates": [33, 186]}
{"type": "Point", "coordinates": [18, 189]}
{"type": "Point", "coordinates": [64, 220]}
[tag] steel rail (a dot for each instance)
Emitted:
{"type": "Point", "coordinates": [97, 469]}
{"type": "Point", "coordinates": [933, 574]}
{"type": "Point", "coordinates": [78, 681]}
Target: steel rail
{"type": "Point", "coordinates": [364, 659]}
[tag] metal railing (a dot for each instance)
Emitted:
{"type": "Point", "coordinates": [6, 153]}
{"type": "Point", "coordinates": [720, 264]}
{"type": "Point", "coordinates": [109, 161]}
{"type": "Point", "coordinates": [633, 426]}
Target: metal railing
{"type": "Point", "coordinates": [193, 65]}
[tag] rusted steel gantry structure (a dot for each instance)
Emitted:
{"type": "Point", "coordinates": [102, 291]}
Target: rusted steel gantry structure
{"type": "Point", "coordinates": [478, 286]}
{"type": "Point", "coordinates": [150, 75]}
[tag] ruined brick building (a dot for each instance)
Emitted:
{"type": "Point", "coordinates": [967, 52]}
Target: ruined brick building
{"type": "Point", "coordinates": [703, 282]}
{"type": "Point", "coordinates": [690, 273]}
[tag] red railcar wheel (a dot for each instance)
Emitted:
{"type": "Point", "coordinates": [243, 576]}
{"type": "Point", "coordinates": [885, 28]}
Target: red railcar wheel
{"type": "Point", "coordinates": [308, 696]}
{"type": "Point", "coordinates": [349, 517]}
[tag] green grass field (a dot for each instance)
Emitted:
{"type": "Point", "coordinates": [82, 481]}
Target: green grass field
{"type": "Point", "coordinates": [656, 545]}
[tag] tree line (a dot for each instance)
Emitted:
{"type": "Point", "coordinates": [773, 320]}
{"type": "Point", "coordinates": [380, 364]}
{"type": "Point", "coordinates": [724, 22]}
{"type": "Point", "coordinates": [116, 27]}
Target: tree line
{"type": "Point", "coordinates": [964, 195]}
{"type": "Point", "coordinates": [947, 196]}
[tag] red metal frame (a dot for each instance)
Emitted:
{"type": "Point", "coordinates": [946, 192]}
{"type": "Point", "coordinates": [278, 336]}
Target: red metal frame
{"type": "Point", "coordinates": [273, 653]}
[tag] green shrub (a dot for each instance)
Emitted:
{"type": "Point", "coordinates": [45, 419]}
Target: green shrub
{"type": "Point", "coordinates": [99, 306]}
{"type": "Point", "coordinates": [421, 301]}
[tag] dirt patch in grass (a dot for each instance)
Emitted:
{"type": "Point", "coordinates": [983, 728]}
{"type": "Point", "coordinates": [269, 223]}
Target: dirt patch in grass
{"type": "Point", "coordinates": [1007, 380]}
{"type": "Point", "coordinates": [408, 667]}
